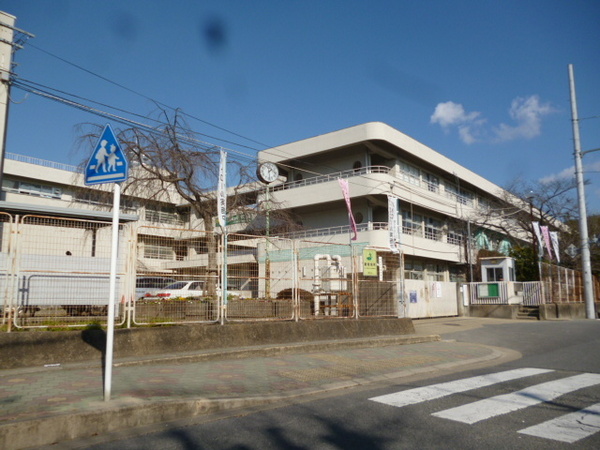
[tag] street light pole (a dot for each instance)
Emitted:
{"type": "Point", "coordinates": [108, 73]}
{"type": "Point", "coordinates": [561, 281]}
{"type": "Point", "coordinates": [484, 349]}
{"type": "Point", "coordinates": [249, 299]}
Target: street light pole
{"type": "Point", "coordinates": [588, 287]}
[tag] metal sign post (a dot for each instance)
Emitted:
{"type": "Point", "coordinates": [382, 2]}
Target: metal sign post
{"type": "Point", "coordinates": [110, 329]}
{"type": "Point", "coordinates": [108, 164]}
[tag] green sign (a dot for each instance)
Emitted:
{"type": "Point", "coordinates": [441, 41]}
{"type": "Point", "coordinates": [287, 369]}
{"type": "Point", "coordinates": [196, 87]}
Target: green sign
{"type": "Point", "coordinates": [369, 263]}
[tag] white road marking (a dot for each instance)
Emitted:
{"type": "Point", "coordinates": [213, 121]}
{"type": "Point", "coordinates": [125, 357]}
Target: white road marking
{"type": "Point", "coordinates": [423, 394]}
{"type": "Point", "coordinates": [570, 427]}
{"type": "Point", "coordinates": [503, 404]}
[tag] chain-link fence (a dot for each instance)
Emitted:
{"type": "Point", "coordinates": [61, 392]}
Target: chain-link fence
{"type": "Point", "coordinates": [380, 290]}
{"type": "Point", "coordinates": [178, 276]}
{"type": "Point", "coordinates": [60, 272]}
{"type": "Point", "coordinates": [56, 272]}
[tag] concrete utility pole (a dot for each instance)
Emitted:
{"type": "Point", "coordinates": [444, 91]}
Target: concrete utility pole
{"type": "Point", "coordinates": [7, 23]}
{"type": "Point", "coordinates": [588, 287]}
{"type": "Point", "coordinates": [8, 45]}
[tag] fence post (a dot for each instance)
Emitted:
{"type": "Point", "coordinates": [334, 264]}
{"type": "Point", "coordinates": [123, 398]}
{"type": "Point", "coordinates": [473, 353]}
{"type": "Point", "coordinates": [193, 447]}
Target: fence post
{"type": "Point", "coordinates": [295, 282]}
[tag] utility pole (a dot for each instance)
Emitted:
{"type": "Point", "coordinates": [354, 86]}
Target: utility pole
{"type": "Point", "coordinates": [588, 287]}
{"type": "Point", "coordinates": [8, 45]}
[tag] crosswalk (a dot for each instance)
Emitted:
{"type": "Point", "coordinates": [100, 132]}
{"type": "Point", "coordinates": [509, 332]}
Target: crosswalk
{"type": "Point", "coordinates": [567, 428]}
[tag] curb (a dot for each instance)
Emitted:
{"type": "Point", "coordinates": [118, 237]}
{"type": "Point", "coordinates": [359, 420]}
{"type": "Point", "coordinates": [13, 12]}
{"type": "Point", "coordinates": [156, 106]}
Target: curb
{"type": "Point", "coordinates": [126, 413]}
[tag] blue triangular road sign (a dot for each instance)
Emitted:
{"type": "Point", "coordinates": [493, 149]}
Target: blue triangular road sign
{"type": "Point", "coordinates": [108, 163]}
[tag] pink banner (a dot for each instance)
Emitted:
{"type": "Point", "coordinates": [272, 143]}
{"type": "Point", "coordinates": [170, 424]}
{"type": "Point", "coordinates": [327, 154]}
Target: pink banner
{"type": "Point", "coordinates": [546, 235]}
{"type": "Point", "coordinates": [346, 193]}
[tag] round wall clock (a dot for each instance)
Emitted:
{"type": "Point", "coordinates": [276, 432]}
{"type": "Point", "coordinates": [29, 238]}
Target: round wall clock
{"type": "Point", "coordinates": [267, 172]}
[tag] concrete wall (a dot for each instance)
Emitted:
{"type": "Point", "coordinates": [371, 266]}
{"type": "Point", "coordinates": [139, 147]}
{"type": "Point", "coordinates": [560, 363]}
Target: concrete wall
{"type": "Point", "coordinates": [566, 311]}
{"type": "Point", "coordinates": [37, 348]}
{"type": "Point", "coordinates": [426, 299]}
{"type": "Point", "coordinates": [495, 311]}
{"type": "Point", "coordinates": [548, 311]}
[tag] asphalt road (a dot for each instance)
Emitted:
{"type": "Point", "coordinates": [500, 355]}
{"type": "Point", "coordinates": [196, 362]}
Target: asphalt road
{"type": "Point", "coordinates": [557, 379]}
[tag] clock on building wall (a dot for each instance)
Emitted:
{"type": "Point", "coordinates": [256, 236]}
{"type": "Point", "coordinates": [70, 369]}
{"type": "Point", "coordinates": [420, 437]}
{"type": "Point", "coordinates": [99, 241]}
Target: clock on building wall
{"type": "Point", "coordinates": [267, 172]}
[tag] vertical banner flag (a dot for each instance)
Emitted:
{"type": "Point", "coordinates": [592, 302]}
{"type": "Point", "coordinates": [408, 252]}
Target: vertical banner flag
{"type": "Point", "coordinates": [554, 238]}
{"type": "Point", "coordinates": [546, 235]}
{"type": "Point", "coordinates": [222, 191]}
{"type": "Point", "coordinates": [346, 193]}
{"type": "Point", "coordinates": [538, 234]}
{"type": "Point", "coordinates": [394, 235]}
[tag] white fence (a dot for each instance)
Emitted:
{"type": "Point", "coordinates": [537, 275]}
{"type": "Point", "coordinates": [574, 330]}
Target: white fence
{"type": "Point", "coordinates": [506, 293]}
{"type": "Point", "coordinates": [54, 272]}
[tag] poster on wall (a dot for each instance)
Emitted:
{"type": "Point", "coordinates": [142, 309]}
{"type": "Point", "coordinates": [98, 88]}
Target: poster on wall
{"type": "Point", "coordinates": [436, 289]}
{"type": "Point", "coordinates": [412, 295]}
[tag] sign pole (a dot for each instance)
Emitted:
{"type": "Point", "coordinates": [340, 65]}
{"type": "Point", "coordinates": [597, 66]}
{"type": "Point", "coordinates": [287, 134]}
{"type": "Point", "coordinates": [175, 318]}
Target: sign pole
{"type": "Point", "coordinates": [110, 328]}
{"type": "Point", "coordinates": [108, 164]}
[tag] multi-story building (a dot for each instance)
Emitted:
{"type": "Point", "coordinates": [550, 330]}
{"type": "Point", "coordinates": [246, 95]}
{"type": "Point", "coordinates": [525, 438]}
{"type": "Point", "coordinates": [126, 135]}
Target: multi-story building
{"type": "Point", "coordinates": [414, 207]}
{"type": "Point", "coordinates": [438, 202]}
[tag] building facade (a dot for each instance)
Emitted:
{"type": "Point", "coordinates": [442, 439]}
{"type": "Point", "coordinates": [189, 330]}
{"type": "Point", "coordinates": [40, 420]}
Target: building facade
{"type": "Point", "coordinates": [438, 203]}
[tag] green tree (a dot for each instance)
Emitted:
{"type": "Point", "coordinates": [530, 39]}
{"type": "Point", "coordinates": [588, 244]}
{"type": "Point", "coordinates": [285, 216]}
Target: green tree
{"type": "Point", "coordinates": [526, 264]}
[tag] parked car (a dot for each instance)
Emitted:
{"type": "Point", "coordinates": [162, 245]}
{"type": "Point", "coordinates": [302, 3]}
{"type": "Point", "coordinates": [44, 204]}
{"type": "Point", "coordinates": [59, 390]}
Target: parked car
{"type": "Point", "coordinates": [179, 289]}
{"type": "Point", "coordinates": [149, 285]}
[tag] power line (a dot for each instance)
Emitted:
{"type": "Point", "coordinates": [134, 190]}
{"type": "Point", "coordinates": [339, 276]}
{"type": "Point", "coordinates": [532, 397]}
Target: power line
{"type": "Point", "coordinates": [157, 102]}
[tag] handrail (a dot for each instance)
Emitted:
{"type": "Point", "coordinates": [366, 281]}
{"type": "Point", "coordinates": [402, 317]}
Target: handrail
{"type": "Point", "coordinates": [42, 162]}
{"type": "Point", "coordinates": [328, 231]}
{"type": "Point", "coordinates": [332, 177]}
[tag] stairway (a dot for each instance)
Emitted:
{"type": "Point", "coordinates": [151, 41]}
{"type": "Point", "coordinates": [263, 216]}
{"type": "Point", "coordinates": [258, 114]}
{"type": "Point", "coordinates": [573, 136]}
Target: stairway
{"type": "Point", "coordinates": [528, 312]}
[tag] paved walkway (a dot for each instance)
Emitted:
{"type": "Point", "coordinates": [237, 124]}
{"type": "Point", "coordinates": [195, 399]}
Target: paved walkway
{"type": "Point", "coordinates": [44, 404]}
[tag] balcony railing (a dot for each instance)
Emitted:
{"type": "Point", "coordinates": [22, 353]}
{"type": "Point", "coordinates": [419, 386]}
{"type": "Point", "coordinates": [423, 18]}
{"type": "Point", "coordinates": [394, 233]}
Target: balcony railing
{"type": "Point", "coordinates": [42, 162]}
{"type": "Point", "coordinates": [332, 177]}
{"type": "Point", "coordinates": [330, 231]}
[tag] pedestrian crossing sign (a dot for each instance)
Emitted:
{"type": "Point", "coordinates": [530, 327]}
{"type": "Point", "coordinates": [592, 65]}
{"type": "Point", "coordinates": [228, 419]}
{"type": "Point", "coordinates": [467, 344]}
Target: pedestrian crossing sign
{"type": "Point", "coordinates": [108, 163]}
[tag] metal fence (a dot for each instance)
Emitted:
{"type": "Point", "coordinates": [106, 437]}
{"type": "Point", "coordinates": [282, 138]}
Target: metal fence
{"type": "Point", "coordinates": [561, 284]}
{"type": "Point", "coordinates": [55, 273]}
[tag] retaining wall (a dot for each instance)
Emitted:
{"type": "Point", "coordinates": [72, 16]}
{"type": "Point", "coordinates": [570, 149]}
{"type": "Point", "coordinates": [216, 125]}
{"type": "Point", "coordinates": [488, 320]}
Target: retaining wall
{"type": "Point", "coordinates": [37, 348]}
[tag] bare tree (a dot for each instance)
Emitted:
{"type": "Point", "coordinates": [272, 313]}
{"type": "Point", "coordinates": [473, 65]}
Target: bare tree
{"type": "Point", "coordinates": [550, 203]}
{"type": "Point", "coordinates": [170, 161]}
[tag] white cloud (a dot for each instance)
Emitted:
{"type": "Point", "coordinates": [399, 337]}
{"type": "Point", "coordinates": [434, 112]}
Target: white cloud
{"type": "Point", "coordinates": [453, 114]}
{"type": "Point", "coordinates": [527, 112]}
{"type": "Point", "coordinates": [562, 175]}
{"type": "Point", "coordinates": [569, 172]}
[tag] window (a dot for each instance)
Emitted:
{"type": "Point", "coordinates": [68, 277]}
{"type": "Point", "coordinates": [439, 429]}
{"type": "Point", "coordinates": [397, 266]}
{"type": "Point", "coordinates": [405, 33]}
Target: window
{"type": "Point", "coordinates": [455, 238]}
{"type": "Point", "coordinates": [433, 229]}
{"type": "Point", "coordinates": [432, 182]}
{"type": "Point", "coordinates": [410, 174]}
{"type": "Point", "coordinates": [413, 270]}
{"type": "Point", "coordinates": [158, 252]}
{"type": "Point", "coordinates": [165, 215]}
{"type": "Point", "coordinates": [460, 195]}
{"type": "Point", "coordinates": [38, 190]}
{"type": "Point", "coordinates": [435, 272]}
{"type": "Point", "coordinates": [494, 274]}
{"type": "Point", "coordinates": [412, 224]}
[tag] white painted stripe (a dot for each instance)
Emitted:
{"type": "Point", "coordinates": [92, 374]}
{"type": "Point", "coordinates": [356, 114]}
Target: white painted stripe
{"type": "Point", "coordinates": [503, 404]}
{"type": "Point", "coordinates": [570, 427]}
{"type": "Point", "coordinates": [423, 394]}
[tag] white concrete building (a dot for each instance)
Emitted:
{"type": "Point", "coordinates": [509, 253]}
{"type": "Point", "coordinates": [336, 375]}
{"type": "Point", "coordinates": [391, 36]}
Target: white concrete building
{"type": "Point", "coordinates": [439, 201]}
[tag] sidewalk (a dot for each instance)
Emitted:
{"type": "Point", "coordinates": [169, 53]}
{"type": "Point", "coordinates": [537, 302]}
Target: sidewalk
{"type": "Point", "coordinates": [42, 405]}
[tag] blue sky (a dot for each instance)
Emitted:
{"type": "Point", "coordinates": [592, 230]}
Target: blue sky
{"type": "Point", "coordinates": [483, 82]}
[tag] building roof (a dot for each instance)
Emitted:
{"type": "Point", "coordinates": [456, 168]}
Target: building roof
{"type": "Point", "coordinates": [376, 131]}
